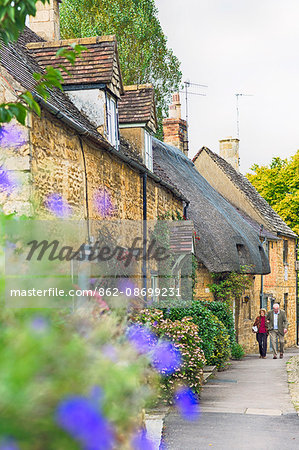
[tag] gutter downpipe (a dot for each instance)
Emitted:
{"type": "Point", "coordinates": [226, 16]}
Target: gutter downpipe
{"type": "Point", "coordinates": [144, 232]}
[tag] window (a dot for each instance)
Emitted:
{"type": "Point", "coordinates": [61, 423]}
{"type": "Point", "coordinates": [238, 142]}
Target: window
{"type": "Point", "coordinates": [154, 286]}
{"type": "Point", "coordinates": [112, 122]}
{"type": "Point", "coordinates": [285, 251]}
{"type": "Point", "coordinates": [148, 150]}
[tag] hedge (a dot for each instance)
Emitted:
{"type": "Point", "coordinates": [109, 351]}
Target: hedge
{"type": "Point", "coordinates": [225, 315]}
{"type": "Point", "coordinates": [214, 335]}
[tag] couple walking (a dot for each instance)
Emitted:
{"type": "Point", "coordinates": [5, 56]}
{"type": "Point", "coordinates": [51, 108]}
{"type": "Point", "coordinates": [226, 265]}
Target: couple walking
{"type": "Point", "coordinates": [274, 323]}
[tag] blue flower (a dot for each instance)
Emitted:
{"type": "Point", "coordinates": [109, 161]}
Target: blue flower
{"type": "Point", "coordinates": [166, 358]}
{"type": "Point", "coordinates": [57, 205]}
{"type": "Point", "coordinates": [6, 184]}
{"type": "Point", "coordinates": [142, 442]}
{"type": "Point", "coordinates": [187, 403]}
{"type": "Point", "coordinates": [141, 337]}
{"type": "Point", "coordinates": [82, 420]}
{"type": "Point", "coordinates": [40, 324]}
{"type": "Point", "coordinates": [103, 202]}
{"type": "Point", "coordinates": [9, 444]}
{"type": "Point", "coordinates": [12, 136]}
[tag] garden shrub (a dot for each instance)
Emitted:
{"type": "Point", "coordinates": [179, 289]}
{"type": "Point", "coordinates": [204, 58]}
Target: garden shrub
{"type": "Point", "coordinates": [224, 314]}
{"type": "Point", "coordinates": [213, 334]}
{"type": "Point", "coordinates": [237, 351]}
{"type": "Point", "coordinates": [184, 335]}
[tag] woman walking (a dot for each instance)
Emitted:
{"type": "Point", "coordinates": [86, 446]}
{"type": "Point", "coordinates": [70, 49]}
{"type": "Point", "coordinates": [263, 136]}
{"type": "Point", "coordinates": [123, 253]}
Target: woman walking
{"type": "Point", "coordinates": [261, 330]}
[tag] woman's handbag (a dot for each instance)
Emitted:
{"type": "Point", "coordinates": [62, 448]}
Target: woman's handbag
{"type": "Point", "coordinates": [254, 329]}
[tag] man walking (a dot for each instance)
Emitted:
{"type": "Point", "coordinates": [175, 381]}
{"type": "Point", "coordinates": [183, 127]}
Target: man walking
{"type": "Point", "coordinates": [278, 327]}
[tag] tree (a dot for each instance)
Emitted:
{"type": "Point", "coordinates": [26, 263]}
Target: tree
{"type": "Point", "coordinates": [278, 183]}
{"type": "Point", "coordinates": [143, 52]}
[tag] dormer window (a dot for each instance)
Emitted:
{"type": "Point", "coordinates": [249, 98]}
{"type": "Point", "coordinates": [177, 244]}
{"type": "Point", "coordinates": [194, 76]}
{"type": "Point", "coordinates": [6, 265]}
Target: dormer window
{"type": "Point", "coordinates": [148, 150]}
{"type": "Point", "coordinates": [112, 121]}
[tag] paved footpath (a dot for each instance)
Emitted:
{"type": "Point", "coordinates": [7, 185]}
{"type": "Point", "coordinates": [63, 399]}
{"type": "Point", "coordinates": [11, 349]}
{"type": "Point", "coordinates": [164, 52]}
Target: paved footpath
{"type": "Point", "coordinates": [247, 407]}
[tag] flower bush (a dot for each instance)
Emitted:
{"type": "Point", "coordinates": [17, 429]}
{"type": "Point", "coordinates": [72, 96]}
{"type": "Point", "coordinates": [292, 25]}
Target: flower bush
{"type": "Point", "coordinates": [213, 334]}
{"type": "Point", "coordinates": [67, 379]}
{"type": "Point", "coordinates": [184, 336]}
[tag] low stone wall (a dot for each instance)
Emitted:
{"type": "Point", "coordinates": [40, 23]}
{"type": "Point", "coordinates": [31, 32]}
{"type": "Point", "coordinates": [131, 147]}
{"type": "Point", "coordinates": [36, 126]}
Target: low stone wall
{"type": "Point", "coordinates": [293, 380]}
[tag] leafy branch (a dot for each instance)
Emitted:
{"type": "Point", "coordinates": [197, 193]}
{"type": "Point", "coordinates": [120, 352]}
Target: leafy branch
{"type": "Point", "coordinates": [13, 16]}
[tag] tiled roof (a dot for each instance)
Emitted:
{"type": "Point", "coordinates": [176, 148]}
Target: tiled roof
{"type": "Point", "coordinates": [95, 66]}
{"type": "Point", "coordinates": [137, 105]}
{"type": "Point", "coordinates": [274, 221]}
{"type": "Point", "coordinates": [181, 237]}
{"type": "Point", "coordinates": [20, 64]}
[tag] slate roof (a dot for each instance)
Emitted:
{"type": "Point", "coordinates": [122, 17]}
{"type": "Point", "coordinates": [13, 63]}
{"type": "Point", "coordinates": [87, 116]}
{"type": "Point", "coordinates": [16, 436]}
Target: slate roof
{"type": "Point", "coordinates": [274, 221]}
{"type": "Point", "coordinates": [137, 104]}
{"type": "Point", "coordinates": [222, 230]}
{"type": "Point", "coordinates": [95, 65]}
{"type": "Point", "coordinates": [20, 64]}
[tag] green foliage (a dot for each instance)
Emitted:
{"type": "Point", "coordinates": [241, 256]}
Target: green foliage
{"type": "Point", "coordinates": [229, 286]}
{"type": "Point", "coordinates": [278, 183]}
{"type": "Point", "coordinates": [237, 351]}
{"type": "Point", "coordinates": [13, 16]}
{"type": "Point", "coordinates": [143, 52]}
{"type": "Point", "coordinates": [225, 315]}
{"type": "Point", "coordinates": [213, 334]}
{"type": "Point", "coordinates": [41, 365]}
{"type": "Point", "coordinates": [184, 334]}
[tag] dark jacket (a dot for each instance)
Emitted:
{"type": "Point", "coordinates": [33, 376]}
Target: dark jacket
{"type": "Point", "coordinates": [282, 321]}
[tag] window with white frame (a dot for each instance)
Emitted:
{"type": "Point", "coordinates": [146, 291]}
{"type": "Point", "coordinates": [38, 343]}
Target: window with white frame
{"type": "Point", "coordinates": [112, 121]}
{"type": "Point", "coordinates": [148, 150]}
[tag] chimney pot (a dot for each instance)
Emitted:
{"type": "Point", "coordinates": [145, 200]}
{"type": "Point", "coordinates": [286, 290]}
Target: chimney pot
{"type": "Point", "coordinates": [229, 150]}
{"type": "Point", "coordinates": [175, 128]}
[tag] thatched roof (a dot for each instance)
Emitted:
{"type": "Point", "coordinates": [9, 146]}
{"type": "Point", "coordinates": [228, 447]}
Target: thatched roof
{"type": "Point", "coordinates": [272, 219]}
{"type": "Point", "coordinates": [227, 241]}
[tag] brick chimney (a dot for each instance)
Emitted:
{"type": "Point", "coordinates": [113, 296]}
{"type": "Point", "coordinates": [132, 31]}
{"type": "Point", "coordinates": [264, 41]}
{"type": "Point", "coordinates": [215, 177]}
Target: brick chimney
{"type": "Point", "coordinates": [175, 128]}
{"type": "Point", "coordinates": [229, 150]}
{"type": "Point", "coordinates": [46, 22]}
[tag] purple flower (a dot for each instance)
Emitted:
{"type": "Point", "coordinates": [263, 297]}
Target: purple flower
{"type": "Point", "coordinates": [141, 442]}
{"type": "Point", "coordinates": [6, 184]}
{"type": "Point", "coordinates": [57, 205]}
{"type": "Point", "coordinates": [8, 444]}
{"type": "Point", "coordinates": [187, 403]}
{"type": "Point", "coordinates": [166, 358]}
{"type": "Point", "coordinates": [82, 420]}
{"type": "Point", "coordinates": [103, 203]}
{"type": "Point", "coordinates": [141, 337]}
{"type": "Point", "coordinates": [127, 287]}
{"type": "Point", "coordinates": [40, 324]}
{"type": "Point", "coordinates": [12, 135]}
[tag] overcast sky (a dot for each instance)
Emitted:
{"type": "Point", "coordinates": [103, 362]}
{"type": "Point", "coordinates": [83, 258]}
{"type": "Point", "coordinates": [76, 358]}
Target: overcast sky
{"type": "Point", "coordinates": [239, 46]}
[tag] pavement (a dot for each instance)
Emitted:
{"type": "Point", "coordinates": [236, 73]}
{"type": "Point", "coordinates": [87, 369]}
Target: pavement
{"type": "Point", "coordinates": [248, 406]}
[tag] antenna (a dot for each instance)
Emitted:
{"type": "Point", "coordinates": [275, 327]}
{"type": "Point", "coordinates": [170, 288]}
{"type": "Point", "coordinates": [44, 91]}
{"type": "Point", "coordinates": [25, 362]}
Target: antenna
{"type": "Point", "coordinates": [187, 84]}
{"type": "Point", "coordinates": [238, 111]}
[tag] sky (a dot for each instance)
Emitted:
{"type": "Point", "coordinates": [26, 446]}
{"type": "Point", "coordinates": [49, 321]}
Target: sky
{"type": "Point", "coordinates": [239, 47]}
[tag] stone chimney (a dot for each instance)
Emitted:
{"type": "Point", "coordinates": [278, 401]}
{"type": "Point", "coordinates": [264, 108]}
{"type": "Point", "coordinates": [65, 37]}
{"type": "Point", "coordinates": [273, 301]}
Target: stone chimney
{"type": "Point", "coordinates": [229, 150]}
{"type": "Point", "coordinates": [175, 128]}
{"type": "Point", "coordinates": [46, 22]}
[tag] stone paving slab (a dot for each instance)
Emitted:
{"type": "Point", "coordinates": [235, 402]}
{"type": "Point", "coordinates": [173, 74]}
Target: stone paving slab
{"type": "Point", "coordinates": [247, 407]}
